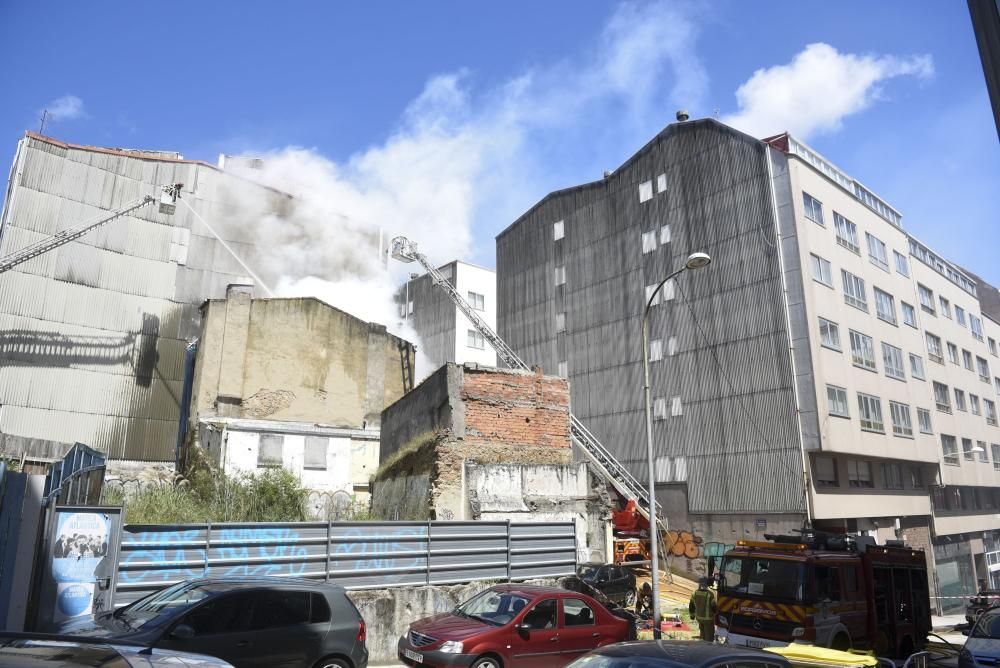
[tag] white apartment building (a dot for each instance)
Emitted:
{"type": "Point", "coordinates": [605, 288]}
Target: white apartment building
{"type": "Point", "coordinates": [906, 374]}
{"type": "Point", "coordinates": [445, 333]}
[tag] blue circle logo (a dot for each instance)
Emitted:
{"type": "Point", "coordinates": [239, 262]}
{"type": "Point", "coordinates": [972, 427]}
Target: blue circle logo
{"type": "Point", "coordinates": [73, 600]}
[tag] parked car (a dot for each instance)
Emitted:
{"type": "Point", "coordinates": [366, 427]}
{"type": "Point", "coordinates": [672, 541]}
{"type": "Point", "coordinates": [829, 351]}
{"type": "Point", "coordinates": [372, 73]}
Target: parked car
{"type": "Point", "coordinates": [513, 625]}
{"type": "Point", "coordinates": [25, 650]}
{"type": "Point", "coordinates": [615, 582]}
{"type": "Point", "coordinates": [678, 654]}
{"type": "Point", "coordinates": [982, 647]}
{"type": "Point", "coordinates": [984, 600]}
{"type": "Point", "coordinates": [245, 621]}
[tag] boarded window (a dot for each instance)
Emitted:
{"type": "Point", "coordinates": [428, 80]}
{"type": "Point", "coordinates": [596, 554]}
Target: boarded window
{"type": "Point", "coordinates": [269, 453]}
{"type": "Point", "coordinates": [315, 455]}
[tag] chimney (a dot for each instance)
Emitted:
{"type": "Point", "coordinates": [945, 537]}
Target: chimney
{"type": "Point", "coordinates": [682, 115]}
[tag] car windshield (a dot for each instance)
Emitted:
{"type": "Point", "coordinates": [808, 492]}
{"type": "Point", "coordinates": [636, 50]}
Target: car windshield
{"type": "Point", "coordinates": [165, 603]}
{"type": "Point", "coordinates": [493, 607]}
{"type": "Point", "coordinates": [587, 572]}
{"type": "Point", "coordinates": [764, 577]}
{"type": "Point", "coordinates": [988, 626]}
{"type": "Point", "coordinates": [600, 661]}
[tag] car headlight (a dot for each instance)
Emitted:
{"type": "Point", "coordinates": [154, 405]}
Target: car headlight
{"type": "Point", "coordinates": [452, 647]}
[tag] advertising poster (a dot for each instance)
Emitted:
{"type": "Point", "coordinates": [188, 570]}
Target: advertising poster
{"type": "Point", "coordinates": [80, 543]}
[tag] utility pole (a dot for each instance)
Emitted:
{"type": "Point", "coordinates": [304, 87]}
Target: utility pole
{"type": "Point", "coordinates": [45, 115]}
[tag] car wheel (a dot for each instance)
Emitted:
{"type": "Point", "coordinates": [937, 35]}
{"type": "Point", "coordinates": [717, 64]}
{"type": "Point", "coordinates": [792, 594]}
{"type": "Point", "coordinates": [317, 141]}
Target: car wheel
{"type": "Point", "coordinates": [630, 597]}
{"type": "Point", "coordinates": [331, 662]}
{"type": "Point", "coordinates": [487, 661]}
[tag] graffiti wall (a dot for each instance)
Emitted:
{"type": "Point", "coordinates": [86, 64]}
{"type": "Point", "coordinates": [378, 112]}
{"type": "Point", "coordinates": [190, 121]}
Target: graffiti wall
{"type": "Point", "coordinates": [357, 555]}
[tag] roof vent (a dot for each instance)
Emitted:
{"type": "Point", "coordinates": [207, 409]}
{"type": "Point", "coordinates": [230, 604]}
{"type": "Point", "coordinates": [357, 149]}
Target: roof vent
{"type": "Point", "coordinates": [682, 115]}
{"type": "Point", "coordinates": [608, 173]}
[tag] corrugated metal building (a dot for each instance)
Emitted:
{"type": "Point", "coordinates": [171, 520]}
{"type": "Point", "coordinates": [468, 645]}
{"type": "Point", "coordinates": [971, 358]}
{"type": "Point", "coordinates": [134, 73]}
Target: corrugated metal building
{"type": "Point", "coordinates": [93, 334]}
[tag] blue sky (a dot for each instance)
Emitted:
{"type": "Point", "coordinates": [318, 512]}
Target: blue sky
{"type": "Point", "coordinates": [447, 120]}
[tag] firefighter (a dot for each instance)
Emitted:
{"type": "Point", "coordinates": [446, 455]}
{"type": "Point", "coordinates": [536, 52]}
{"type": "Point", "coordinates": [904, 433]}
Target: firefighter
{"type": "Point", "coordinates": [702, 609]}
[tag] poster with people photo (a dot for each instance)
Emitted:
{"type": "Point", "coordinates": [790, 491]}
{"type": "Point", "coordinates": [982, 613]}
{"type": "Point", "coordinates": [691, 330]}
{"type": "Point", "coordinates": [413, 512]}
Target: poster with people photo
{"type": "Point", "coordinates": [81, 542]}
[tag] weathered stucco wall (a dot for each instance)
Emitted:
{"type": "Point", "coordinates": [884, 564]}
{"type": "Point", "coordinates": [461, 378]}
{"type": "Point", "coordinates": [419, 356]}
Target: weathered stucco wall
{"type": "Point", "coordinates": [426, 410]}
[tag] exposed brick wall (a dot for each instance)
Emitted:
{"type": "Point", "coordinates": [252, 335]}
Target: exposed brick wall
{"type": "Point", "coordinates": [918, 536]}
{"type": "Point", "coordinates": [515, 408]}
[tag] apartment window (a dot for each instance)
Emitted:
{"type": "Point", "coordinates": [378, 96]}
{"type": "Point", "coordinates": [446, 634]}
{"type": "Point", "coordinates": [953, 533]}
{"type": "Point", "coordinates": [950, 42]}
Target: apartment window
{"type": "Point", "coordinates": [983, 367]}
{"type": "Point", "coordinates": [558, 231]}
{"type": "Point", "coordinates": [984, 455]}
{"type": "Point", "coordinates": [993, 346]}
{"type": "Point", "coordinates": [949, 450]}
{"type": "Point", "coordinates": [659, 408]}
{"type": "Point", "coordinates": [859, 473]}
{"type": "Point", "coordinates": [926, 298]}
{"type": "Point", "coordinates": [924, 421]}
{"type": "Point", "coordinates": [475, 340]}
{"type": "Point", "coordinates": [892, 358]}
{"type": "Point", "coordinates": [976, 325]}
{"type": "Point", "coordinates": [974, 404]}
{"type": "Point", "coordinates": [960, 315]}
{"type": "Point", "coordinates": [655, 350]}
{"type": "Point", "coordinates": [870, 412]}
{"type": "Point", "coordinates": [836, 400]}
{"type": "Point", "coordinates": [952, 353]}
{"type": "Point", "coordinates": [829, 334]}
{"type": "Point", "coordinates": [563, 369]}
{"type": "Point", "coordinates": [847, 233]}
{"type": "Point", "coordinates": [877, 252]}
{"type": "Point", "coordinates": [917, 367]}
{"type": "Point", "coordinates": [892, 476]}
{"type": "Point", "coordinates": [916, 477]}
{"type": "Point", "coordinates": [652, 299]}
{"type": "Point", "coordinates": [909, 315]}
{"type": "Point", "coordinates": [854, 290]}
{"type": "Point", "coordinates": [665, 235]}
{"type": "Point", "coordinates": [645, 191]}
{"type": "Point", "coordinates": [996, 383]}
{"type": "Point", "coordinates": [675, 406]}
{"type": "Point", "coordinates": [821, 270]}
{"type": "Point", "coordinates": [561, 322]}
{"type": "Point", "coordinates": [945, 306]}
{"type": "Point", "coordinates": [960, 399]}
{"type": "Point", "coordinates": [813, 208]}
{"type": "Point", "coordinates": [942, 400]}
{"type": "Point", "coordinates": [477, 301]}
{"type": "Point", "coordinates": [315, 453]}
{"type": "Point", "coordinates": [990, 409]}
{"type": "Point", "coordinates": [826, 472]}
{"type": "Point", "coordinates": [885, 308]}
{"type": "Point", "coordinates": [901, 264]}
{"type": "Point", "coordinates": [661, 183]}
{"type": "Point", "coordinates": [995, 448]}
{"type": "Point", "coordinates": [901, 423]}
{"type": "Point", "coordinates": [967, 453]}
{"type": "Point", "coordinates": [967, 359]}
{"type": "Point", "coordinates": [560, 275]}
{"type": "Point", "coordinates": [649, 241]}
{"type": "Point", "coordinates": [862, 350]}
{"type": "Point", "coordinates": [269, 452]}
{"type": "Point", "coordinates": [934, 348]}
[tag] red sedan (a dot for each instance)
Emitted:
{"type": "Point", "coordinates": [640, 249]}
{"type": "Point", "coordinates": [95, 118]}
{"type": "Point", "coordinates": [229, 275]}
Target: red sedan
{"type": "Point", "coordinates": [515, 626]}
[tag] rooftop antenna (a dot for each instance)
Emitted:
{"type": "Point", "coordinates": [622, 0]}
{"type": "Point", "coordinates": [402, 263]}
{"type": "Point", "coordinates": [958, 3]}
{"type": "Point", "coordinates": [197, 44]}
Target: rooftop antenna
{"type": "Point", "coordinates": [716, 113]}
{"type": "Point", "coordinates": [45, 115]}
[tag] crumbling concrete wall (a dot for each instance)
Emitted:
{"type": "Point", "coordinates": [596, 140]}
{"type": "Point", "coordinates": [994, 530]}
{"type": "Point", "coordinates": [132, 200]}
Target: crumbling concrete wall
{"type": "Point", "coordinates": [427, 409]}
{"type": "Point", "coordinates": [388, 613]}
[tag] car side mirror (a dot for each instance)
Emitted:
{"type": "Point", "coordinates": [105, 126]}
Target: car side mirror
{"type": "Point", "coordinates": [182, 632]}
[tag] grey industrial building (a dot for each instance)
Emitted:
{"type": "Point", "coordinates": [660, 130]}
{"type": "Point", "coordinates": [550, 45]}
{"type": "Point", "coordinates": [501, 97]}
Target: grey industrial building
{"type": "Point", "coordinates": [94, 334]}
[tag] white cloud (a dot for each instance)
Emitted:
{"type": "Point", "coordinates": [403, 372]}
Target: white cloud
{"type": "Point", "coordinates": [817, 90]}
{"type": "Point", "coordinates": [65, 108]}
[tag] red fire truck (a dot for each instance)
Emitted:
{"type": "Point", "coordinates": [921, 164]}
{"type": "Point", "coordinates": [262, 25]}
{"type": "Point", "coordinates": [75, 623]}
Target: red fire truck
{"type": "Point", "coordinates": [831, 590]}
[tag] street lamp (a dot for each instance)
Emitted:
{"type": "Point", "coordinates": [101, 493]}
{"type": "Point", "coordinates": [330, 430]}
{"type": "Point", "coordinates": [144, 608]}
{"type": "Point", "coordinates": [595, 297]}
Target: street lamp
{"type": "Point", "coordinates": [694, 261]}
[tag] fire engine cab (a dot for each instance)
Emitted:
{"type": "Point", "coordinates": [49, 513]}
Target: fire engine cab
{"type": "Point", "coordinates": [831, 590]}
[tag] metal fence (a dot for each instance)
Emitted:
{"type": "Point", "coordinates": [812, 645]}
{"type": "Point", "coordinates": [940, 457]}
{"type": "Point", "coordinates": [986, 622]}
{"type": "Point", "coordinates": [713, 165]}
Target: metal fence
{"type": "Point", "coordinates": [358, 555]}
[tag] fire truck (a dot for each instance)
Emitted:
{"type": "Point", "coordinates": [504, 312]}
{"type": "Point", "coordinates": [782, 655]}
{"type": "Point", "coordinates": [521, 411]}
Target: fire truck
{"type": "Point", "coordinates": [831, 590]}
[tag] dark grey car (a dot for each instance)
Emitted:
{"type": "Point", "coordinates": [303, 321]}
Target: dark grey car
{"type": "Point", "coordinates": [248, 622]}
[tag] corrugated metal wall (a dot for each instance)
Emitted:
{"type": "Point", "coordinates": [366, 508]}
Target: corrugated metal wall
{"type": "Point", "coordinates": [93, 334]}
{"type": "Point", "coordinates": [358, 555]}
{"type": "Point", "coordinates": [738, 431]}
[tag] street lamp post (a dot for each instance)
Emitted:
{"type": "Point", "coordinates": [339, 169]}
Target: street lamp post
{"type": "Point", "coordinates": [694, 261]}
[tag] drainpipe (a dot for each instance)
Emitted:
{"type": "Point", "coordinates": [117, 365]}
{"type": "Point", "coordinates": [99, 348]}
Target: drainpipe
{"type": "Point", "coordinates": [190, 353]}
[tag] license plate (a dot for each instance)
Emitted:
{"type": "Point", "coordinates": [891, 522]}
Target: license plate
{"type": "Point", "coordinates": [754, 642]}
{"type": "Point", "coordinates": [413, 656]}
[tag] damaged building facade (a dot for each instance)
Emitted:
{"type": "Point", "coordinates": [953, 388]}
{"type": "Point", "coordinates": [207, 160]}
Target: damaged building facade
{"type": "Point", "coordinates": [295, 383]}
{"type": "Point", "coordinates": [475, 443]}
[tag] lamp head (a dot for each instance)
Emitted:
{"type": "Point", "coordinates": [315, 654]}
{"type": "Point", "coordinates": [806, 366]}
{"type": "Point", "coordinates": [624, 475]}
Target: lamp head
{"type": "Point", "coordinates": [697, 260]}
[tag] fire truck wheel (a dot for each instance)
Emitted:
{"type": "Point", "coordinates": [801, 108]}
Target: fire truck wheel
{"type": "Point", "coordinates": [841, 642]}
{"type": "Point", "coordinates": [906, 648]}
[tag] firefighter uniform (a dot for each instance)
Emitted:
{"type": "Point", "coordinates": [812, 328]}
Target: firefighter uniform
{"type": "Point", "coordinates": [702, 609]}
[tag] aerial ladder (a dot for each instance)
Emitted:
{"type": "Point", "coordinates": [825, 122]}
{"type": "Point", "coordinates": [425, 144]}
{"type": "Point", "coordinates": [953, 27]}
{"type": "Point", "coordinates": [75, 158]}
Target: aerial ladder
{"type": "Point", "coordinates": [168, 203]}
{"type": "Point", "coordinates": [611, 469]}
